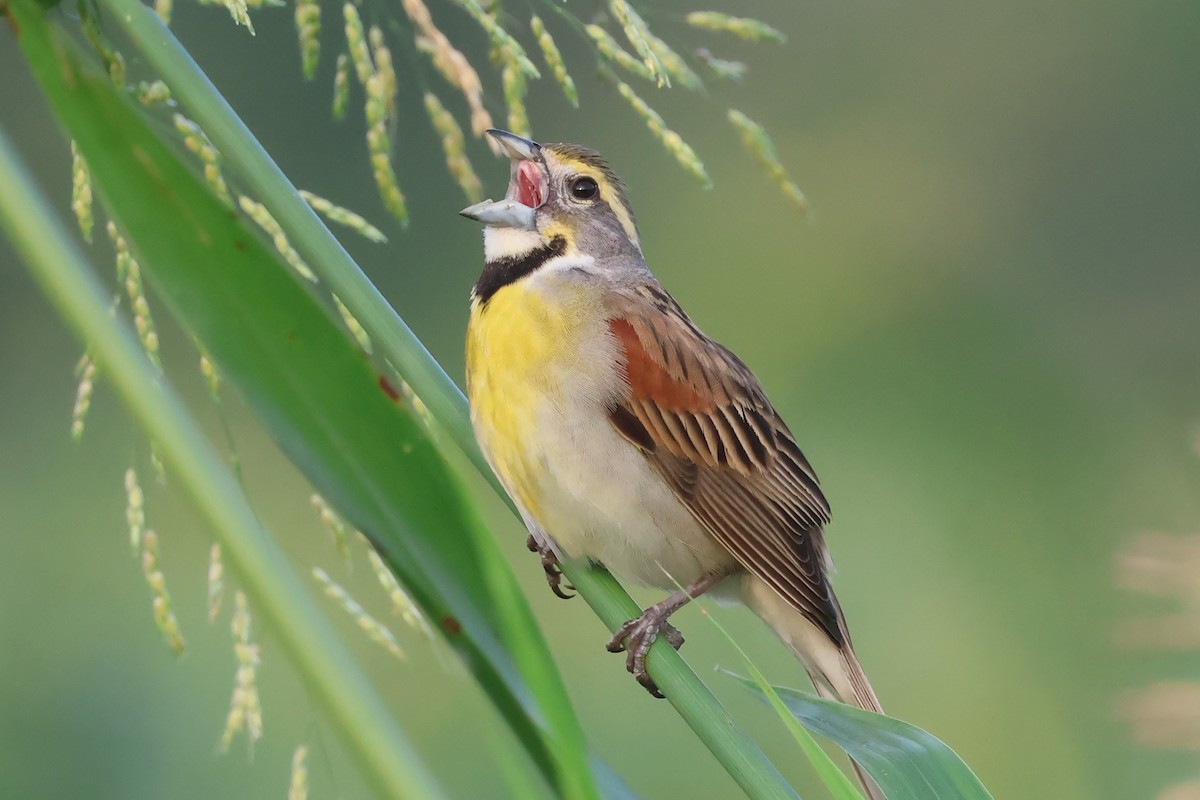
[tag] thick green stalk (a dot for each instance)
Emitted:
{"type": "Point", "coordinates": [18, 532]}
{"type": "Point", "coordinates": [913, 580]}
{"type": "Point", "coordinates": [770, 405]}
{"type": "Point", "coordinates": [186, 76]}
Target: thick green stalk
{"type": "Point", "coordinates": [397, 343]}
{"type": "Point", "coordinates": [383, 752]}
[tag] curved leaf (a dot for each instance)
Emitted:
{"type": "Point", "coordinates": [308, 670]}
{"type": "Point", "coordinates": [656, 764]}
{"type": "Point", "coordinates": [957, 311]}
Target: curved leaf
{"type": "Point", "coordinates": [907, 762]}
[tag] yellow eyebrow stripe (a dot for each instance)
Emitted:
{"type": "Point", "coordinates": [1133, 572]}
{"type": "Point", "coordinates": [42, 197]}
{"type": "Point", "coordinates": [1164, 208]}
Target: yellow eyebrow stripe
{"type": "Point", "coordinates": [609, 194]}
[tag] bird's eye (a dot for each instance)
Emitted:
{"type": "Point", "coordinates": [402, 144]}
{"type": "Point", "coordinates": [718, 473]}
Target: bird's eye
{"type": "Point", "coordinates": [584, 188]}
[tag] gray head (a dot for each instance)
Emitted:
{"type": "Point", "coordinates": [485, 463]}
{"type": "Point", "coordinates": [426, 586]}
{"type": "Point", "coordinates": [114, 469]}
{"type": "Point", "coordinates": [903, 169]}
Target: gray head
{"type": "Point", "coordinates": [564, 193]}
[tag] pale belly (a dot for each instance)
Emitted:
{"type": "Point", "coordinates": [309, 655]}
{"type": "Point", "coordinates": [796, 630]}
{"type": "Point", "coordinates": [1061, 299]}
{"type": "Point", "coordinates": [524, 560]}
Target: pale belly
{"type": "Point", "coordinates": [539, 386]}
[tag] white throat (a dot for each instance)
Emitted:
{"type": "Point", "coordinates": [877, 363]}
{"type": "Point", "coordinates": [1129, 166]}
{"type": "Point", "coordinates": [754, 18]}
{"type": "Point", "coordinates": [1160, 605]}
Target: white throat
{"type": "Point", "coordinates": [501, 243]}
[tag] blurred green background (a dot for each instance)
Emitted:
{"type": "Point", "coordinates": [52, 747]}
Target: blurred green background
{"type": "Point", "coordinates": [985, 335]}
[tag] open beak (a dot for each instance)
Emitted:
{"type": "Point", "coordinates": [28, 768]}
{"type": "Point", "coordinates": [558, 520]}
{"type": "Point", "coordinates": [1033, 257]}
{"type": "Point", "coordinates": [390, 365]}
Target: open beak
{"type": "Point", "coordinates": [527, 186]}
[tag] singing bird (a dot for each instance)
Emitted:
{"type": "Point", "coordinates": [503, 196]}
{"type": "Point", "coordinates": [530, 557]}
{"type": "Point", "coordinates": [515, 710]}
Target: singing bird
{"type": "Point", "coordinates": [628, 437]}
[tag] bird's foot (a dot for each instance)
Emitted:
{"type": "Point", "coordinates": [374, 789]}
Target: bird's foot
{"type": "Point", "coordinates": [554, 573]}
{"type": "Point", "coordinates": [636, 636]}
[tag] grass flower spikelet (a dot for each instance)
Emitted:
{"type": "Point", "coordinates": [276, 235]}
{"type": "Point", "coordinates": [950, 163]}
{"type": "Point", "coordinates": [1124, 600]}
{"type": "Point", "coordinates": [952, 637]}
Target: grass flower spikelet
{"type": "Point", "coordinates": [343, 216]}
{"type": "Point", "coordinates": [245, 708]}
{"type": "Point", "coordinates": [671, 140]}
{"type": "Point", "coordinates": [730, 70]}
{"type": "Point", "coordinates": [81, 193]}
{"type": "Point", "coordinates": [135, 509]}
{"type": "Point", "coordinates": [379, 147]}
{"type": "Point", "coordinates": [674, 64]}
{"type": "Point", "coordinates": [454, 146]}
{"type": "Point", "coordinates": [610, 49]}
{"type": "Point", "coordinates": [515, 87]}
{"type": "Point", "coordinates": [86, 370]}
{"type": "Point", "coordinates": [755, 139]}
{"type": "Point", "coordinates": [742, 27]}
{"type": "Point", "coordinates": [153, 93]}
{"type": "Point", "coordinates": [638, 34]}
{"type": "Point", "coordinates": [308, 29]}
{"type": "Point", "coordinates": [374, 630]}
{"type": "Point", "coordinates": [215, 581]}
{"type": "Point", "coordinates": [450, 62]}
{"type": "Point", "coordinates": [384, 69]}
{"type": "Point", "coordinates": [129, 273]}
{"type": "Point", "coordinates": [114, 62]}
{"type": "Point", "coordinates": [164, 616]}
{"type": "Point", "coordinates": [554, 60]}
{"type": "Point", "coordinates": [356, 42]}
{"type": "Point", "coordinates": [259, 213]}
{"type": "Point", "coordinates": [402, 604]}
{"type": "Point", "coordinates": [298, 785]}
{"type": "Point", "coordinates": [334, 524]}
{"type": "Point", "coordinates": [212, 378]}
{"type": "Point", "coordinates": [197, 142]}
{"type": "Point", "coordinates": [341, 86]}
{"type": "Point", "coordinates": [353, 325]}
{"type": "Point", "coordinates": [501, 39]}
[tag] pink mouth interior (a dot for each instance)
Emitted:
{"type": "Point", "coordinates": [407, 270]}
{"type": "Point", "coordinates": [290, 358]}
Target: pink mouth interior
{"type": "Point", "coordinates": [530, 184]}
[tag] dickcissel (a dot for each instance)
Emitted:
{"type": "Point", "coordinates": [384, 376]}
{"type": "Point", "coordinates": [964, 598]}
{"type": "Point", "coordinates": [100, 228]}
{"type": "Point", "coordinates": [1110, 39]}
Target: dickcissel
{"type": "Point", "coordinates": [628, 437]}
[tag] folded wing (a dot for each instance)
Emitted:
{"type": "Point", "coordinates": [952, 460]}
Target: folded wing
{"type": "Point", "coordinates": [701, 418]}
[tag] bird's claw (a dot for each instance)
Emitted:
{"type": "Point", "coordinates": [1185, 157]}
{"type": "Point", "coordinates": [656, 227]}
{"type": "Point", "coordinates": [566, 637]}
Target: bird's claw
{"type": "Point", "coordinates": [636, 636]}
{"type": "Point", "coordinates": [554, 574]}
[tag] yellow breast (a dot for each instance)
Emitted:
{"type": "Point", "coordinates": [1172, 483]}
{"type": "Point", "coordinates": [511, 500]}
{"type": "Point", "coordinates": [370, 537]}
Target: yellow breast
{"type": "Point", "coordinates": [533, 346]}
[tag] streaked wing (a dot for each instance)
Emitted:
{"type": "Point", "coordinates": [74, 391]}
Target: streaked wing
{"type": "Point", "coordinates": [703, 421]}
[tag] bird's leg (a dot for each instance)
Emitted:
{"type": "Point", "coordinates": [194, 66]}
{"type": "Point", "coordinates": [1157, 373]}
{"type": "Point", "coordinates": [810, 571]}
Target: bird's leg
{"type": "Point", "coordinates": [550, 564]}
{"type": "Point", "coordinates": [636, 635]}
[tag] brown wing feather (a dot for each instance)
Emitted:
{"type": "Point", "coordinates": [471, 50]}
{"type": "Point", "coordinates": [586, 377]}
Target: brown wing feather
{"type": "Point", "coordinates": [703, 421]}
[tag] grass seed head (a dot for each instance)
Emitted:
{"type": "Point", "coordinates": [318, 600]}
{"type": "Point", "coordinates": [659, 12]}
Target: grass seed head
{"type": "Point", "coordinates": [454, 146]}
{"type": "Point", "coordinates": [755, 139]}
{"type": "Point", "coordinates": [515, 87]}
{"type": "Point", "coordinates": [343, 216]}
{"type": "Point", "coordinates": [353, 325]}
{"type": "Point", "coordinates": [554, 60]}
{"type": "Point", "coordinates": [638, 34]}
{"type": "Point", "coordinates": [129, 273]}
{"type": "Point", "coordinates": [451, 63]}
{"type": "Point", "coordinates": [164, 616]}
{"type": "Point", "coordinates": [259, 213]}
{"type": "Point", "coordinates": [334, 524]}
{"type": "Point", "coordinates": [356, 42]}
{"type": "Point", "coordinates": [380, 149]}
{"type": "Point", "coordinates": [402, 604]}
{"type": "Point", "coordinates": [308, 30]}
{"type": "Point", "coordinates": [153, 93]}
{"type": "Point", "coordinates": [298, 785]}
{"type": "Point", "coordinates": [671, 140]}
{"type": "Point", "coordinates": [195, 140]}
{"type": "Point", "coordinates": [375, 630]}
{"type": "Point", "coordinates": [245, 708]}
{"type": "Point", "coordinates": [742, 27]}
{"type": "Point", "coordinates": [674, 65]}
{"type": "Point", "coordinates": [341, 86]}
{"type": "Point", "coordinates": [86, 370]}
{"type": "Point", "coordinates": [385, 70]}
{"type": "Point", "coordinates": [215, 582]}
{"type": "Point", "coordinates": [729, 70]}
{"type": "Point", "coordinates": [610, 49]}
{"type": "Point", "coordinates": [81, 193]}
{"type": "Point", "coordinates": [501, 39]}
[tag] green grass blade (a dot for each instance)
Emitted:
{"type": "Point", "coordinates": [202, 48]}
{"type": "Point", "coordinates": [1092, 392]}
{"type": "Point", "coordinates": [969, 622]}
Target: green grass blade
{"type": "Point", "coordinates": [321, 400]}
{"type": "Point", "coordinates": [835, 780]}
{"type": "Point", "coordinates": [907, 762]}
{"type": "Point", "coordinates": [738, 754]}
{"type": "Point", "coordinates": [384, 754]}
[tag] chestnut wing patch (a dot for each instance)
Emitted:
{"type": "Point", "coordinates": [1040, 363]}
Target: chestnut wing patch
{"type": "Point", "coordinates": [702, 420]}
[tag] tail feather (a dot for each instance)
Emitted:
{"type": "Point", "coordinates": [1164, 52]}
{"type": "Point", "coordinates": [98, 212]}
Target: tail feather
{"type": "Point", "coordinates": [834, 669]}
